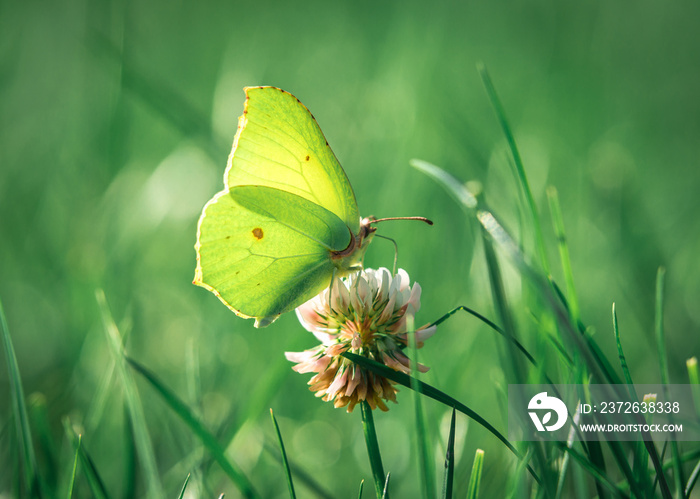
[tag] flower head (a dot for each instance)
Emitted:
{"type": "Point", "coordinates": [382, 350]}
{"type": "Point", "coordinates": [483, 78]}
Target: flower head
{"type": "Point", "coordinates": [365, 314]}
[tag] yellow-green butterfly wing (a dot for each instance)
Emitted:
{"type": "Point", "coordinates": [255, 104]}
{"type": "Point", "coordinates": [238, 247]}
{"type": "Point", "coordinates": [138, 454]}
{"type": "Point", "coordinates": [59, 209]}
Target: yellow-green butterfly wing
{"type": "Point", "coordinates": [287, 220]}
{"type": "Point", "coordinates": [280, 145]}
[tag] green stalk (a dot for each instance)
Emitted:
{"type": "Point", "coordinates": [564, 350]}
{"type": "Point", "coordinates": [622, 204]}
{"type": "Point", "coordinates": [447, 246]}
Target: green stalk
{"type": "Point", "coordinates": [375, 458]}
{"type": "Point", "coordinates": [71, 483]}
{"type": "Point", "coordinates": [475, 478]}
{"type": "Point", "coordinates": [142, 437]}
{"type": "Point", "coordinates": [558, 222]}
{"type": "Point", "coordinates": [692, 366]}
{"type": "Point", "coordinates": [184, 487]}
{"type": "Point", "coordinates": [435, 394]}
{"type": "Point", "coordinates": [285, 462]}
{"type": "Point", "coordinates": [424, 455]}
{"type": "Point", "coordinates": [663, 366]}
{"type": "Point", "coordinates": [448, 481]}
{"type": "Point", "coordinates": [519, 168]}
{"type": "Point", "coordinates": [19, 413]}
{"type": "Point", "coordinates": [217, 451]}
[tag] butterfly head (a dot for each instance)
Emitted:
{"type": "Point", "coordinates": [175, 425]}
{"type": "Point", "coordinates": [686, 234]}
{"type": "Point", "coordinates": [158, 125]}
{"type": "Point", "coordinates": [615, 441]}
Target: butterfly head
{"type": "Point", "coordinates": [349, 258]}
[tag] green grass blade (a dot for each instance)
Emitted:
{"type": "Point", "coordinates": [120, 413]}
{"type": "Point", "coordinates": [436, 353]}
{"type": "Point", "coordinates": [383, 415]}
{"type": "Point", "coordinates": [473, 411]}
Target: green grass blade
{"type": "Point", "coordinates": [19, 412]}
{"type": "Point", "coordinates": [375, 457]}
{"type": "Point", "coordinates": [596, 473]}
{"type": "Point", "coordinates": [94, 480]}
{"type": "Point", "coordinates": [692, 366]}
{"type": "Point", "coordinates": [597, 363]}
{"type": "Point", "coordinates": [448, 481]}
{"type": "Point", "coordinates": [659, 325]}
{"type": "Point", "coordinates": [621, 355]}
{"type": "Point", "coordinates": [301, 475]}
{"type": "Point", "coordinates": [453, 186]}
{"type": "Point", "coordinates": [517, 373]}
{"type": "Point", "coordinates": [435, 394]}
{"type": "Point", "coordinates": [489, 323]}
{"type": "Point", "coordinates": [500, 301]}
{"type": "Point", "coordinates": [46, 447]}
{"type": "Point", "coordinates": [71, 482]}
{"type": "Point", "coordinates": [475, 477]}
{"type": "Point", "coordinates": [285, 463]}
{"type": "Point", "coordinates": [99, 400]}
{"type": "Point", "coordinates": [184, 487]}
{"type": "Point", "coordinates": [268, 384]}
{"type": "Point", "coordinates": [520, 169]}
{"type": "Point", "coordinates": [362, 486]}
{"type": "Point", "coordinates": [130, 461]}
{"type": "Point", "coordinates": [558, 222]}
{"type": "Point", "coordinates": [663, 367]}
{"type": "Point", "coordinates": [640, 464]}
{"type": "Point", "coordinates": [385, 492]}
{"type": "Point", "coordinates": [692, 480]}
{"type": "Point", "coordinates": [208, 440]}
{"type": "Point", "coordinates": [564, 467]}
{"type": "Point", "coordinates": [133, 402]}
{"type": "Point", "coordinates": [424, 454]}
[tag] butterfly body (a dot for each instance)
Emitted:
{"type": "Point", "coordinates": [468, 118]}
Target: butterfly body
{"type": "Point", "coordinates": [287, 220]}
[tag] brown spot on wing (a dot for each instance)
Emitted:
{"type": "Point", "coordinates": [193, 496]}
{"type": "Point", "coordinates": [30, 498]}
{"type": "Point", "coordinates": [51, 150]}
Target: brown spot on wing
{"type": "Point", "coordinates": [308, 157]}
{"type": "Point", "coordinates": [258, 233]}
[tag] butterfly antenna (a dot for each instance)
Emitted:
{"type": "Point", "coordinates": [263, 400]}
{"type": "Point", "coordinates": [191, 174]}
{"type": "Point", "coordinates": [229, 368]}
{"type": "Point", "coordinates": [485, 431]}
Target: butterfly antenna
{"type": "Point", "coordinates": [420, 219]}
{"type": "Point", "coordinates": [396, 249]}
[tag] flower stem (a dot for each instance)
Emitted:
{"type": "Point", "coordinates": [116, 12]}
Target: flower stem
{"type": "Point", "coordinates": [375, 458]}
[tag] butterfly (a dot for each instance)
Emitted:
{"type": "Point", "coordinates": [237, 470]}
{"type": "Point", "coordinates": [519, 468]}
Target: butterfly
{"type": "Point", "coordinates": [286, 221]}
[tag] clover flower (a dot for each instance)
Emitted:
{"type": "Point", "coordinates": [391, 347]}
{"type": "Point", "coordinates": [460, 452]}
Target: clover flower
{"type": "Point", "coordinates": [365, 314]}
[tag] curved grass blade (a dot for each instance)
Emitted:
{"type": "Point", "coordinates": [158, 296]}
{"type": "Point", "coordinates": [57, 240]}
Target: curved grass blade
{"type": "Point", "coordinates": [142, 437]}
{"type": "Point", "coordinates": [435, 394]}
{"type": "Point", "coordinates": [375, 457]}
{"type": "Point", "coordinates": [95, 482]}
{"type": "Point", "coordinates": [597, 363]}
{"type": "Point", "coordinates": [285, 463]}
{"type": "Point", "coordinates": [558, 222]}
{"type": "Point", "coordinates": [19, 412]}
{"type": "Point", "coordinates": [184, 487]}
{"type": "Point", "coordinates": [207, 439]}
{"type": "Point", "coordinates": [448, 481]}
{"type": "Point", "coordinates": [424, 455]}
{"type": "Point", "coordinates": [519, 168]}
{"type": "Point", "coordinates": [71, 483]}
{"type": "Point", "coordinates": [453, 186]}
{"type": "Point", "coordinates": [362, 486]}
{"type": "Point", "coordinates": [500, 331]}
{"type": "Point", "coordinates": [692, 480]}
{"type": "Point", "coordinates": [475, 478]}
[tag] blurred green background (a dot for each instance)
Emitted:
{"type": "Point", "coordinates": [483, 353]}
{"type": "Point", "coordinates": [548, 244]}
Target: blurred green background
{"type": "Point", "coordinates": [117, 119]}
